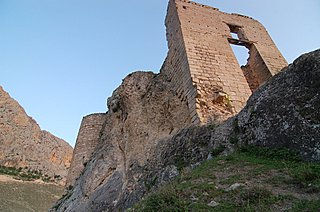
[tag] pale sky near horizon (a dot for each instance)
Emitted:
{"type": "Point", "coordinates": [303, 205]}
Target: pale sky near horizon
{"type": "Point", "coordinates": [61, 60]}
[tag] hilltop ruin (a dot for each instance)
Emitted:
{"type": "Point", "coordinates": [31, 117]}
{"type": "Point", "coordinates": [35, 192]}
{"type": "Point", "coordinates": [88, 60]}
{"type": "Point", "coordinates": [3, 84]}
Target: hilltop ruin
{"type": "Point", "coordinates": [159, 125]}
{"type": "Point", "coordinates": [201, 68]}
{"type": "Point", "coordinates": [202, 65]}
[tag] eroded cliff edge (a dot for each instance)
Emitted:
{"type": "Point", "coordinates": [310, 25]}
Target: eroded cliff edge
{"type": "Point", "coordinates": [143, 110]}
{"type": "Point", "coordinates": [24, 145]}
{"type": "Point", "coordinates": [147, 138]}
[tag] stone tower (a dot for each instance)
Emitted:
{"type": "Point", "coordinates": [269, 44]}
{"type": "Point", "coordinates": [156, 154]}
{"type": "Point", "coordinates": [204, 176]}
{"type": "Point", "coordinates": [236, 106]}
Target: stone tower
{"type": "Point", "coordinates": [202, 69]}
{"type": "Point", "coordinates": [87, 140]}
{"type": "Point", "coordinates": [202, 65]}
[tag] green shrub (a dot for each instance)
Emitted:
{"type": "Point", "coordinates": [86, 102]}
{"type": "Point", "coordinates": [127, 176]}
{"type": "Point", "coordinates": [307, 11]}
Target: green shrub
{"type": "Point", "coordinates": [272, 153]}
{"type": "Point", "coordinates": [166, 199]}
{"type": "Point", "coordinates": [306, 206]}
{"type": "Point", "coordinates": [217, 151]}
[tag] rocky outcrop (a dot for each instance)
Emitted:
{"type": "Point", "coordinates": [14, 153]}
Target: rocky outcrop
{"type": "Point", "coordinates": [143, 111]}
{"type": "Point", "coordinates": [141, 146]}
{"type": "Point", "coordinates": [24, 145]}
{"type": "Point", "coordinates": [285, 111]}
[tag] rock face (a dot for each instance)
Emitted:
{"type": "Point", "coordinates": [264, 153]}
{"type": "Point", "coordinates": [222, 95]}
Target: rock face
{"type": "Point", "coordinates": [23, 144]}
{"type": "Point", "coordinates": [201, 69]}
{"type": "Point", "coordinates": [140, 146]}
{"type": "Point", "coordinates": [285, 112]}
{"type": "Point", "coordinates": [143, 111]}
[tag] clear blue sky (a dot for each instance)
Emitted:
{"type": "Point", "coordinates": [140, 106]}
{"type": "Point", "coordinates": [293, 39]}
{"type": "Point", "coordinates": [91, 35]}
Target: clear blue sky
{"type": "Point", "coordinates": [61, 59]}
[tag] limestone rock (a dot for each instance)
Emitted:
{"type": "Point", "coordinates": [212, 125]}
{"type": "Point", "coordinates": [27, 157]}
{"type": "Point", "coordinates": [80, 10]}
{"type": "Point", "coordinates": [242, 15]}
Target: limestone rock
{"type": "Point", "coordinates": [234, 186]}
{"type": "Point", "coordinates": [143, 112]}
{"type": "Point", "coordinates": [285, 112]}
{"type": "Point", "coordinates": [23, 144]}
{"type": "Point", "coordinates": [213, 204]}
{"type": "Point", "coordinates": [143, 145]}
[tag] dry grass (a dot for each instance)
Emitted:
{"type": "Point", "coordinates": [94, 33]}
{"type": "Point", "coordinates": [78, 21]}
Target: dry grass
{"type": "Point", "coordinates": [27, 196]}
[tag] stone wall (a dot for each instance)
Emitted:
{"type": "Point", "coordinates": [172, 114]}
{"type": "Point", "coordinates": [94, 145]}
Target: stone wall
{"type": "Point", "coordinates": [201, 62]}
{"type": "Point", "coordinates": [201, 69]}
{"type": "Point", "coordinates": [87, 141]}
{"type": "Point", "coordinates": [142, 148]}
{"type": "Point", "coordinates": [176, 65]}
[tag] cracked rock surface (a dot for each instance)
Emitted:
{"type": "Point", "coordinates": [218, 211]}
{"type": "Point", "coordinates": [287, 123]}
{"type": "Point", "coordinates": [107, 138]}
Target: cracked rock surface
{"type": "Point", "coordinates": [285, 112]}
{"type": "Point", "coordinates": [142, 111]}
{"type": "Point", "coordinates": [147, 139]}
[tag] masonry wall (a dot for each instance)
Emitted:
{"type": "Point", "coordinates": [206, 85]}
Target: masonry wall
{"type": "Point", "coordinates": [255, 62]}
{"type": "Point", "coordinates": [176, 65]}
{"type": "Point", "coordinates": [203, 66]}
{"type": "Point", "coordinates": [87, 140]}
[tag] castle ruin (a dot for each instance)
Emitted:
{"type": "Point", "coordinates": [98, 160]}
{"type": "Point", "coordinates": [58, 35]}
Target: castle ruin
{"type": "Point", "coordinates": [201, 62]}
{"type": "Point", "coordinates": [87, 140]}
{"type": "Point", "coordinates": [202, 68]}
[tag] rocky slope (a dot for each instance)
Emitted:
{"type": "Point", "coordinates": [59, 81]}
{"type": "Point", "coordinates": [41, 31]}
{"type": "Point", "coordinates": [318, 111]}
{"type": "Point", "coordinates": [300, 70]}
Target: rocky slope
{"type": "Point", "coordinates": [283, 113]}
{"type": "Point", "coordinates": [24, 145]}
{"type": "Point", "coordinates": [141, 149]}
{"type": "Point", "coordinates": [251, 179]}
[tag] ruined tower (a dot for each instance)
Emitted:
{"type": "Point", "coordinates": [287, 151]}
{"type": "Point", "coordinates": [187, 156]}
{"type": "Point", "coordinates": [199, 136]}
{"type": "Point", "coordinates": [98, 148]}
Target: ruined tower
{"type": "Point", "coordinates": [87, 140]}
{"type": "Point", "coordinates": [202, 69]}
{"type": "Point", "coordinates": [202, 65]}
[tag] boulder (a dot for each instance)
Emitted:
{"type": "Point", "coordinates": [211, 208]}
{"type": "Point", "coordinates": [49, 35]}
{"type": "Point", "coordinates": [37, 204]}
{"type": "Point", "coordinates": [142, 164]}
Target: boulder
{"type": "Point", "coordinates": [285, 111]}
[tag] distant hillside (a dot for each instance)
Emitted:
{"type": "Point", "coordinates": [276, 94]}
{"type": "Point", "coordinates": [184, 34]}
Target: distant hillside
{"type": "Point", "coordinates": [24, 145]}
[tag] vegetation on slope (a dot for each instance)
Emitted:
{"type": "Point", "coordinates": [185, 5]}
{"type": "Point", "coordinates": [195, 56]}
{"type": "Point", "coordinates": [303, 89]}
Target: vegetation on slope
{"type": "Point", "coordinates": [27, 174]}
{"type": "Point", "coordinates": [252, 179]}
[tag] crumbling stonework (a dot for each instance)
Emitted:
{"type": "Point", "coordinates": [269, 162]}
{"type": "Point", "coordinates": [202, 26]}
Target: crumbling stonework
{"type": "Point", "coordinates": [134, 157]}
{"type": "Point", "coordinates": [200, 74]}
{"type": "Point", "coordinates": [148, 136]}
{"type": "Point", "coordinates": [201, 62]}
{"type": "Point", "coordinates": [202, 68]}
{"type": "Point", "coordinates": [87, 140]}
